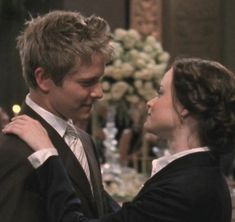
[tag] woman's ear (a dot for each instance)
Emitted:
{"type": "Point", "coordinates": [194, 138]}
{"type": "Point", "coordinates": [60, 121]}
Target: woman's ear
{"type": "Point", "coordinates": [184, 113]}
{"type": "Point", "coordinates": [43, 81]}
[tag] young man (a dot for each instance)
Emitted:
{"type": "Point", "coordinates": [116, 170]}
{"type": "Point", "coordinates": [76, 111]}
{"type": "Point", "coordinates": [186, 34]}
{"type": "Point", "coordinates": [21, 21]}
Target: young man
{"type": "Point", "coordinates": [63, 56]}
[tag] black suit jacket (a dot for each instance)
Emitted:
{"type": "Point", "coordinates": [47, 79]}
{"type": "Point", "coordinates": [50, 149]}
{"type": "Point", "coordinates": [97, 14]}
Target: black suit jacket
{"type": "Point", "coordinates": [19, 194]}
{"type": "Point", "coordinates": [190, 189]}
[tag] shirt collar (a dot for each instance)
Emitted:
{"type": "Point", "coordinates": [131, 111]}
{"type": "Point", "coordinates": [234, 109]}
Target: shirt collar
{"type": "Point", "coordinates": [162, 162]}
{"type": "Point", "coordinates": [56, 122]}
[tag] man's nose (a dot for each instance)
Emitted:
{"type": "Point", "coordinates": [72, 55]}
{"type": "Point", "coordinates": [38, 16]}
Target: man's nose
{"type": "Point", "coordinates": [97, 91]}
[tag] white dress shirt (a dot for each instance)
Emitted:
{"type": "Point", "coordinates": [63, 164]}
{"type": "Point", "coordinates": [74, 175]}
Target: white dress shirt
{"type": "Point", "coordinates": [162, 162]}
{"type": "Point", "coordinates": [59, 124]}
{"type": "Point", "coordinates": [56, 122]}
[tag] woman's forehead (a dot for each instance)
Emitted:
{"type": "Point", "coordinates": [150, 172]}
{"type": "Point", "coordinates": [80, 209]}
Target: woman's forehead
{"type": "Point", "coordinates": [167, 78]}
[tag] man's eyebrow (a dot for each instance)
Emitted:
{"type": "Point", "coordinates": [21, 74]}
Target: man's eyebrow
{"type": "Point", "coordinates": [92, 79]}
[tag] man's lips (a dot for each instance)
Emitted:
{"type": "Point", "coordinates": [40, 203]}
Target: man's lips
{"type": "Point", "coordinates": [87, 106]}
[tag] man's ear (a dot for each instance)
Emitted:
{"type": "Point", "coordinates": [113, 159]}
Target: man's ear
{"type": "Point", "coordinates": [43, 81]}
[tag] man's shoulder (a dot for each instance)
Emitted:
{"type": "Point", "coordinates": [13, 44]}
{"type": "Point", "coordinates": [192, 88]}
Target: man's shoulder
{"type": "Point", "coordinates": [12, 146]}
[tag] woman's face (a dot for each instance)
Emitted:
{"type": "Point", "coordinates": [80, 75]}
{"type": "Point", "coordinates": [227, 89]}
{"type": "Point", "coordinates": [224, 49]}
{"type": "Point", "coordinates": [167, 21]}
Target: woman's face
{"type": "Point", "coordinates": [162, 118]}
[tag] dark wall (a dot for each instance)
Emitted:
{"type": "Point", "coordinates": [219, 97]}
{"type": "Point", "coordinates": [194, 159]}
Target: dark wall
{"type": "Point", "coordinates": [13, 13]}
{"type": "Point", "coordinates": [229, 34]}
{"type": "Point", "coordinates": [193, 27]}
{"type": "Point", "coordinates": [203, 28]}
{"type": "Point", "coordinates": [116, 12]}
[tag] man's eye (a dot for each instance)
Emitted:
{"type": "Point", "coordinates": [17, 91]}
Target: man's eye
{"type": "Point", "coordinates": [87, 84]}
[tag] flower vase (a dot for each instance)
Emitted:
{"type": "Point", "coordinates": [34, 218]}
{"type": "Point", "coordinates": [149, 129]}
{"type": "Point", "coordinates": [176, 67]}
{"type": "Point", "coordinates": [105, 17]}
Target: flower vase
{"type": "Point", "coordinates": [110, 142]}
{"type": "Point", "coordinates": [110, 130]}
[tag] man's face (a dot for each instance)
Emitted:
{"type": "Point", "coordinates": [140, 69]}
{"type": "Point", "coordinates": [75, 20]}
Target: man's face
{"type": "Point", "coordinates": [79, 90]}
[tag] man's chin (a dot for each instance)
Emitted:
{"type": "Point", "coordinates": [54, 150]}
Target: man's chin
{"type": "Point", "coordinates": [86, 117]}
{"type": "Point", "coordinates": [83, 117]}
{"type": "Point", "coordinates": [147, 127]}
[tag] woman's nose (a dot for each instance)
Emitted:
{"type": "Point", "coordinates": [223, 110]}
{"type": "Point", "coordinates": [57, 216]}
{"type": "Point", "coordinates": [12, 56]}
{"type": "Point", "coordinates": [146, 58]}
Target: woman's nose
{"type": "Point", "coordinates": [150, 102]}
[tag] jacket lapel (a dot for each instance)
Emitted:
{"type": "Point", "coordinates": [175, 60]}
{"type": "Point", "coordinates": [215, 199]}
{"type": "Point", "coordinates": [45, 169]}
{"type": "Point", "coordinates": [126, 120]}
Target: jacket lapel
{"type": "Point", "coordinates": [69, 160]}
{"type": "Point", "coordinates": [94, 171]}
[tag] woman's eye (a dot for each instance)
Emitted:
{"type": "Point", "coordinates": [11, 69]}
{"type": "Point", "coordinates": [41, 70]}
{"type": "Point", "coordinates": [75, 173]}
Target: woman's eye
{"type": "Point", "coordinates": [159, 93]}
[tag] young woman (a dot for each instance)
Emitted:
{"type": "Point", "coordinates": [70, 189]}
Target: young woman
{"type": "Point", "coordinates": [195, 112]}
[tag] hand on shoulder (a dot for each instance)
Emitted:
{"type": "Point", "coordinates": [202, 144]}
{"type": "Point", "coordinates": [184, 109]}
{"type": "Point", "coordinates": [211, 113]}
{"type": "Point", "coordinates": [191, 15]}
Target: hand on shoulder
{"type": "Point", "coordinates": [29, 130]}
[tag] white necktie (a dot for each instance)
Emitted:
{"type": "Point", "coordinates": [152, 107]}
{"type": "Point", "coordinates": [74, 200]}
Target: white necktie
{"type": "Point", "coordinates": [71, 137]}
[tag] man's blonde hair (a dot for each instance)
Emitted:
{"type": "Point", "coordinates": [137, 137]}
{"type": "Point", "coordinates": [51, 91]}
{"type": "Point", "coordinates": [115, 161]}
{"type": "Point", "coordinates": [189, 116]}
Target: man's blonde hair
{"type": "Point", "coordinates": [54, 42]}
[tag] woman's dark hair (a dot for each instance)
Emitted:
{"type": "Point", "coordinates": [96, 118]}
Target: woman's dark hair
{"type": "Point", "coordinates": [207, 90]}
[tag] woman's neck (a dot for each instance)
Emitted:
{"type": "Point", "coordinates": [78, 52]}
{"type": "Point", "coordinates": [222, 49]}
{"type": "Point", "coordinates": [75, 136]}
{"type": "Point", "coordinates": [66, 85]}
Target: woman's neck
{"type": "Point", "coordinates": [184, 139]}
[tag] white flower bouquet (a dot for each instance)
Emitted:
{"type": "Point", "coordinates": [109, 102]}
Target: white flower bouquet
{"type": "Point", "coordinates": [137, 66]}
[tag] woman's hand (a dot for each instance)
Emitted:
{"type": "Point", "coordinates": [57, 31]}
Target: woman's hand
{"type": "Point", "coordinates": [30, 131]}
